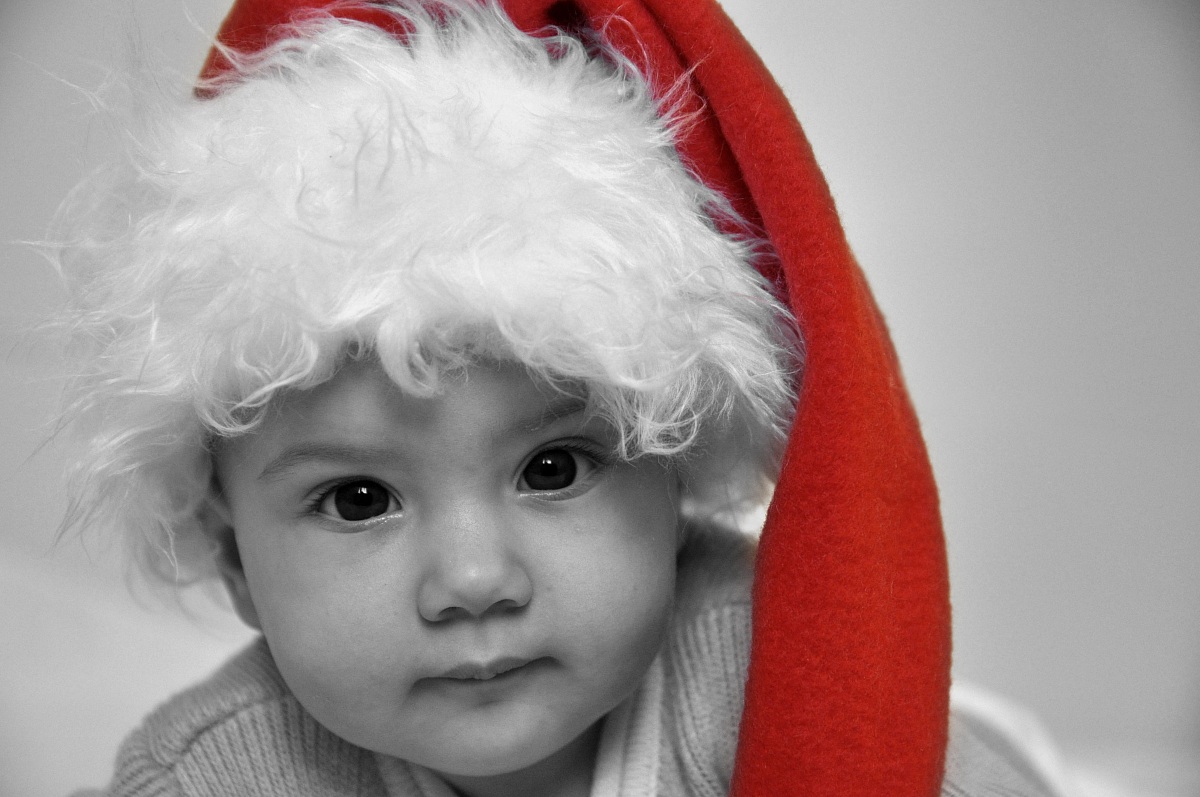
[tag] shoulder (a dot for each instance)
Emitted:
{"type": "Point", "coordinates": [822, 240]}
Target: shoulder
{"type": "Point", "coordinates": [708, 648]}
{"type": "Point", "coordinates": [150, 758]}
{"type": "Point", "coordinates": [715, 567]}
{"type": "Point", "coordinates": [249, 679]}
{"type": "Point", "coordinates": [996, 748]}
{"type": "Point", "coordinates": [234, 733]}
{"type": "Point", "coordinates": [706, 656]}
{"type": "Point", "coordinates": [710, 633]}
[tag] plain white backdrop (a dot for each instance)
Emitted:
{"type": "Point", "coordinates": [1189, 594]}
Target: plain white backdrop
{"type": "Point", "coordinates": [1021, 182]}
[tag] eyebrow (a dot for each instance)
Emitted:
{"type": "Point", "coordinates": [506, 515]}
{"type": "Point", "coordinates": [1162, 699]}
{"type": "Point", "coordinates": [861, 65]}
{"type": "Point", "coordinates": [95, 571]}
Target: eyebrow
{"type": "Point", "coordinates": [300, 453]}
{"type": "Point", "coordinates": [556, 410]}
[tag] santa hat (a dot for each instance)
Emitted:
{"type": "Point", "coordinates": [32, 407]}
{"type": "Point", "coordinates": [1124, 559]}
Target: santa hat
{"type": "Point", "coordinates": [850, 662]}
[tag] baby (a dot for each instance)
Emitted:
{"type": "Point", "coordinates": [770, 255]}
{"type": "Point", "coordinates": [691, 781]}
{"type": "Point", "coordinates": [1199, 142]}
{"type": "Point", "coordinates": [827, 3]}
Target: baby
{"type": "Point", "coordinates": [430, 347]}
{"type": "Point", "coordinates": [419, 333]}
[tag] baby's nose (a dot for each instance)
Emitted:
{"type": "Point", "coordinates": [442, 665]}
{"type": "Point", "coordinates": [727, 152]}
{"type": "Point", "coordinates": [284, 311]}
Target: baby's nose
{"type": "Point", "coordinates": [472, 572]}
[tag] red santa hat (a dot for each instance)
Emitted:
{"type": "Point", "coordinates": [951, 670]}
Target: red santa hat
{"type": "Point", "coordinates": [850, 664]}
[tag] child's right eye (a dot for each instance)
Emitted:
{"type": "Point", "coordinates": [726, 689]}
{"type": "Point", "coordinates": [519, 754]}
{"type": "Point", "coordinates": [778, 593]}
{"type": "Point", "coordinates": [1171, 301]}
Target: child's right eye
{"type": "Point", "coordinates": [358, 500]}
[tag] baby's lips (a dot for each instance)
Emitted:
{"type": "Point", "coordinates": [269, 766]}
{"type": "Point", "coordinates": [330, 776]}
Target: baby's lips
{"type": "Point", "coordinates": [484, 671]}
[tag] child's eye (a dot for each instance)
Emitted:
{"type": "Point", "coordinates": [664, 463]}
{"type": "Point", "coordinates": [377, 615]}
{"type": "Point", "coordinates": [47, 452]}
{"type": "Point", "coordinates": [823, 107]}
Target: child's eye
{"type": "Point", "coordinates": [358, 500]}
{"type": "Point", "coordinates": [554, 469]}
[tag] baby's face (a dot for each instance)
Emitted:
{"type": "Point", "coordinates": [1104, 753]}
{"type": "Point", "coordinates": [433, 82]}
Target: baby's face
{"type": "Point", "coordinates": [468, 582]}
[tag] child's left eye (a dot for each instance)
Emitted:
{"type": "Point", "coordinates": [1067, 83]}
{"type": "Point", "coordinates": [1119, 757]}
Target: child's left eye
{"type": "Point", "coordinates": [362, 499]}
{"type": "Point", "coordinates": [555, 469]}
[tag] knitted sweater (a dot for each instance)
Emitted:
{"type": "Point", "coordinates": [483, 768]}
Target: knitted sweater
{"type": "Point", "coordinates": [243, 733]}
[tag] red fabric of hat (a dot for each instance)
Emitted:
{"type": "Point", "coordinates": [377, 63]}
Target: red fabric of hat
{"type": "Point", "coordinates": [850, 661]}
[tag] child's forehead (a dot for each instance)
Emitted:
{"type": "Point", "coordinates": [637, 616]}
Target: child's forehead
{"type": "Point", "coordinates": [485, 403]}
{"type": "Point", "coordinates": [519, 396]}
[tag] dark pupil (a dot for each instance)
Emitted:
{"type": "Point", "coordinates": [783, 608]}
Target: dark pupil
{"type": "Point", "coordinates": [360, 500]}
{"type": "Point", "coordinates": [550, 470]}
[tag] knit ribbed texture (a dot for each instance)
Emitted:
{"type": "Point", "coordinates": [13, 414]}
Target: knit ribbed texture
{"type": "Point", "coordinates": [241, 733]}
{"type": "Point", "coordinates": [709, 658]}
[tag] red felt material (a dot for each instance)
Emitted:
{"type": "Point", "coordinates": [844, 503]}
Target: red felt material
{"type": "Point", "coordinates": [849, 674]}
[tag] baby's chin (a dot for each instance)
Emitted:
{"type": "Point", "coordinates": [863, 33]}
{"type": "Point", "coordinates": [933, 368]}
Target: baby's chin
{"type": "Point", "coordinates": [521, 768]}
{"type": "Point", "coordinates": [498, 739]}
{"type": "Point", "coordinates": [506, 749]}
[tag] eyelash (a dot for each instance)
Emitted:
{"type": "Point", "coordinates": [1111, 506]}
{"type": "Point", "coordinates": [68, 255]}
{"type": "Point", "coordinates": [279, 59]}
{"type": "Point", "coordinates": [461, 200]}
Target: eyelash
{"type": "Point", "coordinates": [312, 506]}
{"type": "Point", "coordinates": [598, 457]}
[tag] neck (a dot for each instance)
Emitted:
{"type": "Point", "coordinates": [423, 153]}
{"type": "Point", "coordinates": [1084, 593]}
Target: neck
{"type": "Point", "coordinates": [566, 773]}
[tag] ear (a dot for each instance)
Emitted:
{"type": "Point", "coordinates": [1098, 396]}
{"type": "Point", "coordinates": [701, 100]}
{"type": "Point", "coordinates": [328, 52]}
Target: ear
{"type": "Point", "coordinates": [218, 525]}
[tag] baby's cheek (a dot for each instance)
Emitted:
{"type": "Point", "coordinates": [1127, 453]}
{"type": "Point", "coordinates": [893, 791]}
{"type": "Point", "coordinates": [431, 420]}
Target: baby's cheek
{"type": "Point", "coordinates": [626, 631]}
{"type": "Point", "coordinates": [333, 654]}
{"type": "Point", "coordinates": [345, 684]}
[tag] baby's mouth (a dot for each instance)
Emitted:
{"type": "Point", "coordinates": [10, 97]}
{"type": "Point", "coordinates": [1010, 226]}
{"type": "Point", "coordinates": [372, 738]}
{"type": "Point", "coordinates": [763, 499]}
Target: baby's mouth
{"type": "Point", "coordinates": [485, 671]}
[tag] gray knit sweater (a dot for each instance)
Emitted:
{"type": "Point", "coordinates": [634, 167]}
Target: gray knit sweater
{"type": "Point", "coordinates": [243, 733]}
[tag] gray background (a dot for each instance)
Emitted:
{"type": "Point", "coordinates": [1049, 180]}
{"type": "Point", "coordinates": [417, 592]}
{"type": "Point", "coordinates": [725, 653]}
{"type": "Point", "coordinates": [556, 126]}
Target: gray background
{"type": "Point", "coordinates": [1021, 181]}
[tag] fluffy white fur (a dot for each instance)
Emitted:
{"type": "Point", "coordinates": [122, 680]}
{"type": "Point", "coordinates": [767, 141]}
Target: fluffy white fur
{"type": "Point", "coordinates": [471, 192]}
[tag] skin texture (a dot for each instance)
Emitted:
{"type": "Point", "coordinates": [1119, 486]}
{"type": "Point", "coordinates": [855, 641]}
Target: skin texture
{"type": "Point", "coordinates": [389, 629]}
